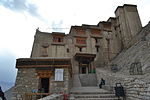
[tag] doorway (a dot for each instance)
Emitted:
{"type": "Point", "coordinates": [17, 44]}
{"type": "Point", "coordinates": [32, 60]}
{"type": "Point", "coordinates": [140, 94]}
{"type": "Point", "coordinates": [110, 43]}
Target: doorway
{"type": "Point", "coordinates": [83, 69]}
{"type": "Point", "coordinates": [44, 86]}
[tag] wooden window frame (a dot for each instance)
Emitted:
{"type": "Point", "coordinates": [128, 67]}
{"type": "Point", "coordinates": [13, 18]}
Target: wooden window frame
{"type": "Point", "coordinates": [80, 40]}
{"type": "Point", "coordinates": [57, 39]}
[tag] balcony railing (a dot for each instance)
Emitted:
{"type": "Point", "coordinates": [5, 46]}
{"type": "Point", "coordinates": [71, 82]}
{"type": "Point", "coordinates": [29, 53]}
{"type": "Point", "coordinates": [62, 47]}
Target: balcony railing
{"type": "Point", "coordinates": [35, 96]}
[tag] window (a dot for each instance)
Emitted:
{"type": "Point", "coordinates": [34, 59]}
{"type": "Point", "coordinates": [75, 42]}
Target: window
{"type": "Point", "coordinates": [116, 35]}
{"type": "Point", "coordinates": [95, 31]}
{"type": "Point", "coordinates": [80, 49]}
{"type": "Point", "coordinates": [97, 48]}
{"type": "Point", "coordinates": [80, 31]}
{"type": "Point", "coordinates": [96, 40]}
{"type": "Point", "coordinates": [57, 39]}
{"type": "Point", "coordinates": [115, 28]}
{"type": "Point", "coordinates": [80, 40]}
{"type": "Point", "coordinates": [67, 50]}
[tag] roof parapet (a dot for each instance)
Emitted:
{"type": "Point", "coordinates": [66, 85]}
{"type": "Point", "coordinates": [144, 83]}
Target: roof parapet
{"type": "Point", "coordinates": [125, 5]}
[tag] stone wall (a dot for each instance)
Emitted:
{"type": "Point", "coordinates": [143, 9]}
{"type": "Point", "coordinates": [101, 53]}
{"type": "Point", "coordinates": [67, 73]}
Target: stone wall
{"type": "Point", "coordinates": [61, 86]}
{"type": "Point", "coordinates": [44, 46]}
{"type": "Point", "coordinates": [26, 81]}
{"type": "Point", "coordinates": [88, 79]}
{"type": "Point", "coordinates": [136, 89]}
{"type": "Point", "coordinates": [110, 78]}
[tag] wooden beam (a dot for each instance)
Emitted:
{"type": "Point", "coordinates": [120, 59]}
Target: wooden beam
{"type": "Point", "coordinates": [42, 66]}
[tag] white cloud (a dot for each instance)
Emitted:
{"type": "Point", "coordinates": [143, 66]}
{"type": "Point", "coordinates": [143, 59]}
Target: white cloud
{"type": "Point", "coordinates": [77, 12]}
{"type": "Point", "coordinates": [21, 6]}
{"type": "Point", "coordinates": [18, 29]}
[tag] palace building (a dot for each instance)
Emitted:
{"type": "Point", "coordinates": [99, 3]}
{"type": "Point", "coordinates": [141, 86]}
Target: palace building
{"type": "Point", "coordinates": [60, 61]}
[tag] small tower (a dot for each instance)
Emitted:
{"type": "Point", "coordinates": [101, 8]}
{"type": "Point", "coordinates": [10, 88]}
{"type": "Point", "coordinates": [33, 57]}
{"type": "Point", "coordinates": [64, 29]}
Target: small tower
{"type": "Point", "coordinates": [129, 23]}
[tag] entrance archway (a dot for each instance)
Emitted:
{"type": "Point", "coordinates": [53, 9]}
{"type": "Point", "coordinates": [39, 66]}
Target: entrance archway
{"type": "Point", "coordinates": [84, 68]}
{"type": "Point", "coordinates": [44, 80]}
{"type": "Point", "coordinates": [85, 62]}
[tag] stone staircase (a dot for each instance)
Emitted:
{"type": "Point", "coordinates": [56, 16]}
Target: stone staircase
{"type": "Point", "coordinates": [91, 93]}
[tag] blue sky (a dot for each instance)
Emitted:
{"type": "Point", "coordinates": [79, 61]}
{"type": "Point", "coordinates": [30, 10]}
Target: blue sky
{"type": "Point", "coordinates": [20, 18]}
{"type": "Point", "coordinates": [7, 62]}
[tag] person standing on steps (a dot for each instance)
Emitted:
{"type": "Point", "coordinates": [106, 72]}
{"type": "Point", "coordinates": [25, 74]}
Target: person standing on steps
{"type": "Point", "coordinates": [2, 97]}
{"type": "Point", "coordinates": [102, 82]}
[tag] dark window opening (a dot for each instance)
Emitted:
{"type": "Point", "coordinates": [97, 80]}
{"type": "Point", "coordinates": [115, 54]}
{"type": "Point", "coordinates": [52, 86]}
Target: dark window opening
{"type": "Point", "coordinates": [59, 39]}
{"type": "Point", "coordinates": [81, 40]}
{"type": "Point", "coordinates": [116, 35]}
{"type": "Point", "coordinates": [67, 50]}
{"type": "Point", "coordinates": [80, 49]}
{"type": "Point", "coordinates": [44, 88]}
{"type": "Point", "coordinates": [96, 40]}
{"type": "Point", "coordinates": [97, 48]}
{"type": "Point", "coordinates": [120, 31]}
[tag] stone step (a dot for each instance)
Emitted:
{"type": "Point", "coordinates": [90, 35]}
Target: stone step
{"type": "Point", "coordinates": [94, 96]}
{"type": "Point", "coordinates": [114, 98]}
{"type": "Point", "coordinates": [97, 99]}
{"type": "Point", "coordinates": [89, 90]}
{"type": "Point", "coordinates": [91, 93]}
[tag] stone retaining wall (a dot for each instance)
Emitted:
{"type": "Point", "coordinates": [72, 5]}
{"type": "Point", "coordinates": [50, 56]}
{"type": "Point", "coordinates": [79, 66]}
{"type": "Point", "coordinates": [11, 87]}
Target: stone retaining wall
{"type": "Point", "coordinates": [137, 89]}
